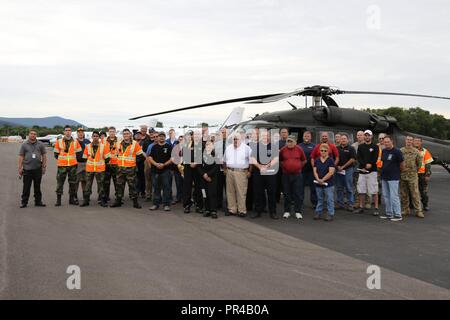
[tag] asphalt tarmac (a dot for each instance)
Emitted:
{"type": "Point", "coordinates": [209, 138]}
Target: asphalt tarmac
{"type": "Point", "coordinates": [125, 253]}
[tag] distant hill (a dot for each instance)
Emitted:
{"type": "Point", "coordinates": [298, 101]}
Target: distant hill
{"type": "Point", "coordinates": [48, 122]}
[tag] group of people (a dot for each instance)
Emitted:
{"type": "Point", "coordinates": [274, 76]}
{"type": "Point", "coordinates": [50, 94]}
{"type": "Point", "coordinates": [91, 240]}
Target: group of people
{"type": "Point", "coordinates": [251, 169]}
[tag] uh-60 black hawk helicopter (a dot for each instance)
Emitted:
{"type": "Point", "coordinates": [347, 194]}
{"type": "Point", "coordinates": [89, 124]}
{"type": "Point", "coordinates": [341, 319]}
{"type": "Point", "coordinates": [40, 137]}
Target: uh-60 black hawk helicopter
{"type": "Point", "coordinates": [326, 115]}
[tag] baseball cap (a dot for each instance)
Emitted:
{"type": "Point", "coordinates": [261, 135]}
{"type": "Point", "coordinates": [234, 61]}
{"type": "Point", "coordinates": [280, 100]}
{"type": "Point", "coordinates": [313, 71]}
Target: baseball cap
{"type": "Point", "coordinates": [162, 133]}
{"type": "Point", "coordinates": [368, 132]}
{"type": "Point", "coordinates": [80, 129]}
{"type": "Point", "coordinates": [292, 138]}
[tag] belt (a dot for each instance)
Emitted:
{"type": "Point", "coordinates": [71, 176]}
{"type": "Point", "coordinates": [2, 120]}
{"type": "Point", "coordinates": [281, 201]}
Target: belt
{"type": "Point", "coordinates": [237, 169]}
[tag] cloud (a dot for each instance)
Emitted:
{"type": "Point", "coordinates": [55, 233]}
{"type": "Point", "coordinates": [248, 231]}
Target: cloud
{"type": "Point", "coordinates": [104, 61]}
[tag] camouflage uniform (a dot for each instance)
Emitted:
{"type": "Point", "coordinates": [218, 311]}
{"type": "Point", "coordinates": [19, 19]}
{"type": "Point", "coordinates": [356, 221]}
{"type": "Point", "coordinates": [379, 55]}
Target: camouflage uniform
{"type": "Point", "coordinates": [409, 185]}
{"type": "Point", "coordinates": [100, 177]}
{"type": "Point", "coordinates": [110, 173]}
{"type": "Point", "coordinates": [61, 174]}
{"type": "Point", "coordinates": [126, 175]}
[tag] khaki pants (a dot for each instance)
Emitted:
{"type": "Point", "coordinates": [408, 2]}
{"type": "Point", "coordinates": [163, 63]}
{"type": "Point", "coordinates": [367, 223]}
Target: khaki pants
{"type": "Point", "coordinates": [148, 179]}
{"type": "Point", "coordinates": [236, 189]}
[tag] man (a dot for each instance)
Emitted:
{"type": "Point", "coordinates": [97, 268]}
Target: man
{"type": "Point", "coordinates": [344, 173]}
{"type": "Point", "coordinates": [409, 184]}
{"type": "Point", "coordinates": [97, 155]}
{"type": "Point", "coordinates": [128, 151]}
{"type": "Point", "coordinates": [192, 157]}
{"type": "Point", "coordinates": [424, 171]}
{"type": "Point", "coordinates": [81, 166]}
{"type": "Point", "coordinates": [140, 168]}
{"type": "Point", "coordinates": [147, 169]}
{"type": "Point", "coordinates": [284, 133]}
{"type": "Point", "coordinates": [337, 139]}
{"type": "Point", "coordinates": [172, 141]}
{"type": "Point", "coordinates": [32, 166]}
{"type": "Point", "coordinates": [265, 167]}
{"type": "Point", "coordinates": [392, 164]}
{"type": "Point", "coordinates": [237, 162]}
{"type": "Point", "coordinates": [177, 173]}
{"type": "Point", "coordinates": [332, 150]}
{"type": "Point", "coordinates": [220, 147]}
{"type": "Point", "coordinates": [359, 141]}
{"type": "Point", "coordinates": [161, 162]}
{"type": "Point", "coordinates": [307, 171]}
{"type": "Point", "coordinates": [65, 152]}
{"type": "Point", "coordinates": [292, 159]}
{"type": "Point", "coordinates": [145, 178]}
{"type": "Point", "coordinates": [367, 157]}
{"type": "Point", "coordinates": [112, 166]}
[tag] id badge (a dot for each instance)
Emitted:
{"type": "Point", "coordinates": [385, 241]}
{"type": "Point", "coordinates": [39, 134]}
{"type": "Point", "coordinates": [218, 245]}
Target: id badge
{"type": "Point", "coordinates": [33, 155]}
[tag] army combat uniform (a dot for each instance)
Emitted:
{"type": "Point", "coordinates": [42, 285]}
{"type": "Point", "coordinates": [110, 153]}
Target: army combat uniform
{"type": "Point", "coordinates": [65, 154]}
{"type": "Point", "coordinates": [96, 155]}
{"type": "Point", "coordinates": [111, 167]}
{"type": "Point", "coordinates": [409, 185]}
{"type": "Point", "coordinates": [424, 173]}
{"type": "Point", "coordinates": [126, 173]}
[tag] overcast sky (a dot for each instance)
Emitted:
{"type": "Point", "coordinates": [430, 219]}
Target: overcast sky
{"type": "Point", "coordinates": [102, 62]}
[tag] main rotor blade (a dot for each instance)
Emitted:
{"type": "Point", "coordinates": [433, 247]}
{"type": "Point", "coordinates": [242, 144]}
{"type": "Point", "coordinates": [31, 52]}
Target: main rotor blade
{"type": "Point", "coordinates": [391, 94]}
{"type": "Point", "coordinates": [208, 105]}
{"type": "Point", "coordinates": [280, 96]}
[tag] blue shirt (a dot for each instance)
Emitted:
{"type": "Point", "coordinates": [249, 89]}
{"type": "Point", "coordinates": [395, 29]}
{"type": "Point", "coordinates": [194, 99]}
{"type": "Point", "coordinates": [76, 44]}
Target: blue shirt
{"type": "Point", "coordinates": [149, 149]}
{"type": "Point", "coordinates": [307, 149]}
{"type": "Point", "coordinates": [175, 142]}
{"type": "Point", "coordinates": [323, 169]}
{"type": "Point", "coordinates": [390, 171]}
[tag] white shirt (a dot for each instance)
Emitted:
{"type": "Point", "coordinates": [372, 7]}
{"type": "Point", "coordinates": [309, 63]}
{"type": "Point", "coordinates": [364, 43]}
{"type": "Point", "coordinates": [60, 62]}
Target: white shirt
{"type": "Point", "coordinates": [238, 158]}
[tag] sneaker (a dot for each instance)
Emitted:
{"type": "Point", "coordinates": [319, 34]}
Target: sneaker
{"type": "Point", "coordinates": [383, 216]}
{"type": "Point", "coordinates": [187, 210]}
{"type": "Point", "coordinates": [286, 215]}
{"type": "Point", "coordinates": [359, 210]}
{"type": "Point", "coordinates": [376, 213]}
{"type": "Point", "coordinates": [166, 208]}
{"type": "Point", "coordinates": [153, 207]}
{"type": "Point", "coordinates": [214, 215]}
{"type": "Point", "coordinates": [368, 205]}
{"type": "Point", "coordinates": [298, 215]}
{"type": "Point", "coordinates": [317, 216]}
{"type": "Point", "coordinates": [426, 208]}
{"type": "Point", "coordinates": [328, 218]}
{"type": "Point", "coordinates": [395, 219]}
{"type": "Point", "coordinates": [350, 209]}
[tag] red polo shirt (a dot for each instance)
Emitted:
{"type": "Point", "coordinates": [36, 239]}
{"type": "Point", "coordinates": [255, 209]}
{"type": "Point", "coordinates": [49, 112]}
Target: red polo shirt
{"type": "Point", "coordinates": [291, 159]}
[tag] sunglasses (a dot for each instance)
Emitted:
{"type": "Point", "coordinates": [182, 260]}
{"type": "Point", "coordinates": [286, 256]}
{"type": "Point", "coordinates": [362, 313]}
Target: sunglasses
{"type": "Point", "coordinates": [324, 150]}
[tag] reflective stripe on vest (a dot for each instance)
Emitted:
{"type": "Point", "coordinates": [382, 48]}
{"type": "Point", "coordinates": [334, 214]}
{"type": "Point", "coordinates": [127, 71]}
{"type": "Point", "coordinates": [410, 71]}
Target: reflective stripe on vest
{"type": "Point", "coordinates": [66, 159]}
{"type": "Point", "coordinates": [96, 164]}
{"type": "Point", "coordinates": [126, 159]}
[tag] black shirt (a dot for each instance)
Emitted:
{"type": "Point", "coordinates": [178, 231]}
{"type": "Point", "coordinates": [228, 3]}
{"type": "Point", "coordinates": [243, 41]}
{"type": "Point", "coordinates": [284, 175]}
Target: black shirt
{"type": "Point", "coordinates": [345, 154]}
{"type": "Point", "coordinates": [367, 153]}
{"type": "Point", "coordinates": [161, 154]}
{"type": "Point", "coordinates": [262, 153]}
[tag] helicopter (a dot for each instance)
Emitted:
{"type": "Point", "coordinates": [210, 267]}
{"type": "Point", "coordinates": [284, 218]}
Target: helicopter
{"type": "Point", "coordinates": [325, 115]}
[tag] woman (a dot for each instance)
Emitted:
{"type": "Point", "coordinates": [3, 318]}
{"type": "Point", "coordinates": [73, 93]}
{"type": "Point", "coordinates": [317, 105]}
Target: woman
{"type": "Point", "coordinates": [324, 169]}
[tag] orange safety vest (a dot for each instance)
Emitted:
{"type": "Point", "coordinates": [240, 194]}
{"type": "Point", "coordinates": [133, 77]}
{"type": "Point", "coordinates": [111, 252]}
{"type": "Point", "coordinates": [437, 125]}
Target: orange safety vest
{"type": "Point", "coordinates": [127, 157]}
{"type": "Point", "coordinates": [67, 159]}
{"type": "Point", "coordinates": [113, 150]}
{"type": "Point", "coordinates": [379, 161]}
{"type": "Point", "coordinates": [426, 159]}
{"type": "Point", "coordinates": [96, 163]}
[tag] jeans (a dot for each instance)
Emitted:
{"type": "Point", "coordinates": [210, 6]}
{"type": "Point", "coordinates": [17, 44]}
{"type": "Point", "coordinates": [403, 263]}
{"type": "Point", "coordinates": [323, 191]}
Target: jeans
{"type": "Point", "coordinates": [308, 178]}
{"type": "Point", "coordinates": [323, 192]}
{"type": "Point", "coordinates": [344, 186]}
{"type": "Point", "coordinates": [293, 191]}
{"type": "Point", "coordinates": [391, 198]}
{"type": "Point", "coordinates": [161, 179]}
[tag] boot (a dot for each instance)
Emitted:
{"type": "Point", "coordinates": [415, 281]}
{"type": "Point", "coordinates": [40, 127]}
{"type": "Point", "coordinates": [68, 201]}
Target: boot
{"type": "Point", "coordinates": [136, 204]}
{"type": "Point", "coordinates": [73, 200]}
{"type": "Point", "coordinates": [58, 200]}
{"type": "Point", "coordinates": [104, 203]}
{"type": "Point", "coordinates": [85, 202]}
{"type": "Point", "coordinates": [117, 203]}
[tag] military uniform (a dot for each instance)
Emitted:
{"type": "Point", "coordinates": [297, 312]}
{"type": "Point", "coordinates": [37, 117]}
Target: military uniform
{"type": "Point", "coordinates": [65, 154]}
{"type": "Point", "coordinates": [111, 167]}
{"type": "Point", "coordinates": [424, 173]}
{"type": "Point", "coordinates": [126, 173]}
{"type": "Point", "coordinates": [96, 155]}
{"type": "Point", "coordinates": [409, 186]}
